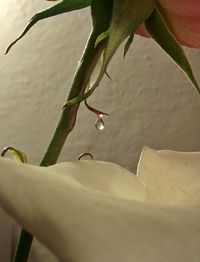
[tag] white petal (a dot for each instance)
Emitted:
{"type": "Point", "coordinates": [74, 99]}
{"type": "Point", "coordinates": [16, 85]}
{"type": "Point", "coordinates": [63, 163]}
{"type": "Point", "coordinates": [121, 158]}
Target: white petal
{"type": "Point", "coordinates": [104, 177]}
{"type": "Point", "coordinates": [171, 178]}
{"type": "Point", "coordinates": [82, 224]}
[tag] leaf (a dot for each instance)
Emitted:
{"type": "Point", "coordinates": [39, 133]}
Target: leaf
{"type": "Point", "coordinates": [63, 7]}
{"type": "Point", "coordinates": [159, 31]}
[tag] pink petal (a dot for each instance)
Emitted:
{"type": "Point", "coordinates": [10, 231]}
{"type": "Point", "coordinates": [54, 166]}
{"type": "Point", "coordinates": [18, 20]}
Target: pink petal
{"type": "Point", "coordinates": [182, 18]}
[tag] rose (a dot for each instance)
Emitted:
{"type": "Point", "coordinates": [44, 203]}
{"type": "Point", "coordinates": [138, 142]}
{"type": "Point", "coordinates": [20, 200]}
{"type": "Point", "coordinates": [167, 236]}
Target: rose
{"type": "Point", "coordinates": [97, 211]}
{"type": "Point", "coordinates": [183, 19]}
{"type": "Point", "coordinates": [168, 22]}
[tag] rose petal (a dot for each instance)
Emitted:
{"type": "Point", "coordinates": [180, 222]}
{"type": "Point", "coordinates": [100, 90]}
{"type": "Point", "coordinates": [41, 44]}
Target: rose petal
{"type": "Point", "coordinates": [183, 19]}
{"type": "Point", "coordinates": [182, 8]}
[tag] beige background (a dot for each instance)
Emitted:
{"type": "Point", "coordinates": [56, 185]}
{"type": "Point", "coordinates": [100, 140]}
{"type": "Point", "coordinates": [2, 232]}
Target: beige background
{"type": "Point", "coordinates": [150, 101]}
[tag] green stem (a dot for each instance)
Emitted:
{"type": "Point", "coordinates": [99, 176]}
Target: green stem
{"type": "Point", "coordinates": [65, 126]}
{"type": "Point", "coordinates": [101, 13]}
{"type": "Point", "coordinates": [23, 247]}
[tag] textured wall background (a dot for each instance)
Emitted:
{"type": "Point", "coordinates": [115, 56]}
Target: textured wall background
{"type": "Point", "coordinates": [149, 99]}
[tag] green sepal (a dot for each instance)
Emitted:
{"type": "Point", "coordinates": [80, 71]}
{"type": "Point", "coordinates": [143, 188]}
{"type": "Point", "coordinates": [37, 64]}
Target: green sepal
{"type": "Point", "coordinates": [101, 37]}
{"type": "Point", "coordinates": [158, 30]}
{"type": "Point", "coordinates": [81, 98]}
{"type": "Point", "coordinates": [101, 11]}
{"type": "Point", "coordinates": [126, 18]}
{"type": "Point", "coordinates": [63, 7]}
{"type": "Point", "coordinates": [127, 45]}
{"type": "Point", "coordinates": [94, 110]}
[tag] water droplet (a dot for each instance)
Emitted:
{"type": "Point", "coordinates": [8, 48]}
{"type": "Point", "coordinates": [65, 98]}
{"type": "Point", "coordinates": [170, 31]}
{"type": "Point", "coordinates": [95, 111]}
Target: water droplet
{"type": "Point", "coordinates": [99, 124]}
{"type": "Point", "coordinates": [85, 156]}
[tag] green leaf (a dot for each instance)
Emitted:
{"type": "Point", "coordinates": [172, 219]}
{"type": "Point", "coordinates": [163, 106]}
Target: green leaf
{"type": "Point", "coordinates": [159, 31]}
{"type": "Point", "coordinates": [63, 7]}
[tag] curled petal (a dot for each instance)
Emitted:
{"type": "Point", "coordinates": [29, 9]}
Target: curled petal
{"type": "Point", "coordinates": [97, 211]}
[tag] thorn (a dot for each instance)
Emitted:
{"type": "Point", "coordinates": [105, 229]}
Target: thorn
{"type": "Point", "coordinates": [108, 76]}
{"type": "Point", "coordinates": [96, 111]}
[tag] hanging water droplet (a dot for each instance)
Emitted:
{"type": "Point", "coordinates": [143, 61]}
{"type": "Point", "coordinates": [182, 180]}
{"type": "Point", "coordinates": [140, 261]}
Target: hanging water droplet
{"type": "Point", "coordinates": [99, 124]}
